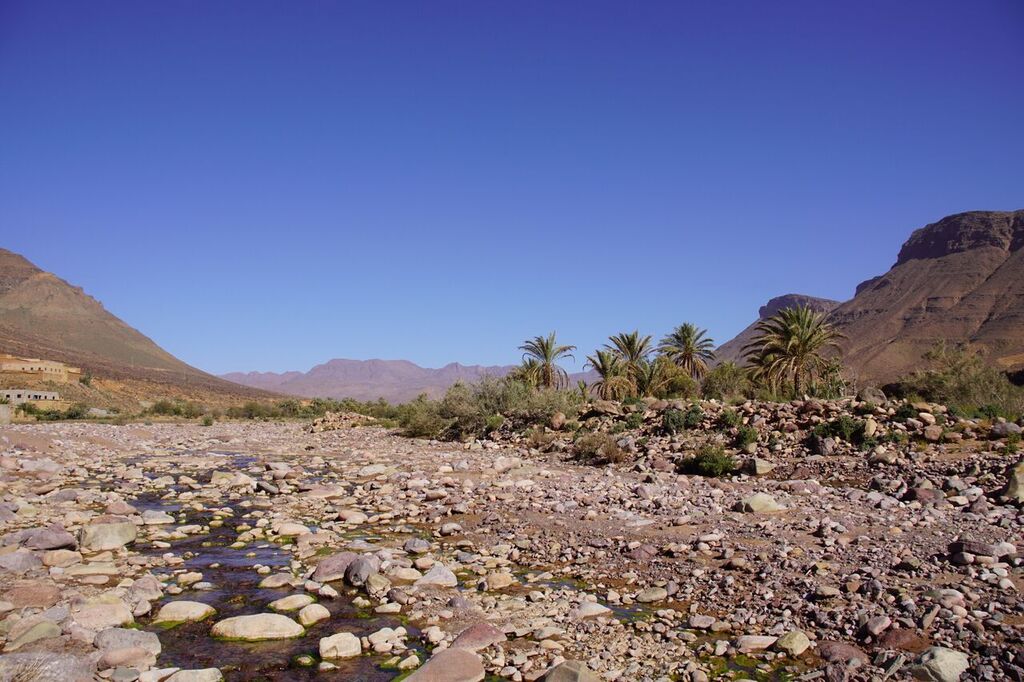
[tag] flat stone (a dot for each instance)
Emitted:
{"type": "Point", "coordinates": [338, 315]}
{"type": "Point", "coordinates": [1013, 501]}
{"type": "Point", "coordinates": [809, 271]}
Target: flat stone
{"type": "Point", "coordinates": [939, 664]}
{"type": "Point", "coordinates": [203, 675]}
{"type": "Point", "coordinates": [651, 595]}
{"type": "Point", "coordinates": [108, 532]}
{"type": "Point", "coordinates": [746, 644]}
{"type": "Point", "coordinates": [257, 627]}
{"type": "Point", "coordinates": [759, 503]}
{"type": "Point", "coordinates": [841, 652]}
{"type": "Point", "coordinates": [124, 638]}
{"type": "Point", "coordinates": [184, 612]}
{"type": "Point", "coordinates": [571, 671]}
{"type": "Point", "coordinates": [589, 609]}
{"type": "Point", "coordinates": [292, 602]}
{"type": "Point", "coordinates": [479, 636]}
{"type": "Point", "coordinates": [102, 613]}
{"type": "Point", "coordinates": [47, 666]}
{"type": "Point", "coordinates": [450, 665]}
{"type": "Point", "coordinates": [33, 594]}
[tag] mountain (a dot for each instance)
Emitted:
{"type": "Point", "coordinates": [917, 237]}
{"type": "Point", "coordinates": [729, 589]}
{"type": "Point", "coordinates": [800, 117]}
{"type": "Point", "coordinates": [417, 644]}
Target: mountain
{"type": "Point", "coordinates": [960, 279]}
{"type": "Point", "coordinates": [393, 380]}
{"type": "Point", "coordinates": [43, 316]}
{"type": "Point", "coordinates": [732, 350]}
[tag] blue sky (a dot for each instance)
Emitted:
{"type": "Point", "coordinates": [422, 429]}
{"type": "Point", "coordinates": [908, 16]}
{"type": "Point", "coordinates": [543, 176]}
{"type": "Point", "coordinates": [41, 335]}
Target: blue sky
{"type": "Point", "coordinates": [266, 185]}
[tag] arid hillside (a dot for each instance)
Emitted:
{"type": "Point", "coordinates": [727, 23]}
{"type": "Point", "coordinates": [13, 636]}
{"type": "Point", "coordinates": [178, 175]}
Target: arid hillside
{"type": "Point", "coordinates": [41, 315]}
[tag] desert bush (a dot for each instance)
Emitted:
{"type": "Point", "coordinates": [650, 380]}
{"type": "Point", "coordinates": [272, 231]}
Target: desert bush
{"type": "Point", "coordinates": [710, 460]}
{"type": "Point", "coordinates": [728, 419]}
{"type": "Point", "coordinates": [207, 420]}
{"type": "Point", "coordinates": [845, 428]}
{"type": "Point", "coordinates": [86, 379]}
{"type": "Point", "coordinates": [421, 418]}
{"type": "Point", "coordinates": [745, 435]}
{"type": "Point", "coordinates": [673, 421]}
{"type": "Point", "coordinates": [960, 378]}
{"type": "Point", "coordinates": [725, 381]}
{"type": "Point", "coordinates": [539, 438]}
{"type": "Point", "coordinates": [598, 448]}
{"type": "Point", "coordinates": [634, 420]}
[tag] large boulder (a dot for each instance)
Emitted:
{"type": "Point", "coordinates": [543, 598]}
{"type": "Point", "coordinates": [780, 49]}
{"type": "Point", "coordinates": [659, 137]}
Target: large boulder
{"type": "Point", "coordinates": [333, 567]}
{"type": "Point", "coordinates": [257, 627]}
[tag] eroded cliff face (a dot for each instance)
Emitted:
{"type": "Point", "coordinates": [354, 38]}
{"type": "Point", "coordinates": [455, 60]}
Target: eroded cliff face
{"type": "Point", "coordinates": [960, 279]}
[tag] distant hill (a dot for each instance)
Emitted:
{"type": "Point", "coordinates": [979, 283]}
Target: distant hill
{"type": "Point", "coordinates": [43, 316]}
{"type": "Point", "coordinates": [732, 350]}
{"type": "Point", "coordinates": [960, 279]}
{"type": "Point", "coordinates": [393, 380]}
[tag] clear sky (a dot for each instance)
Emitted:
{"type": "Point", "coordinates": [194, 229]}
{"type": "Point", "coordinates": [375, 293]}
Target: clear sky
{"type": "Point", "coordinates": [266, 185]}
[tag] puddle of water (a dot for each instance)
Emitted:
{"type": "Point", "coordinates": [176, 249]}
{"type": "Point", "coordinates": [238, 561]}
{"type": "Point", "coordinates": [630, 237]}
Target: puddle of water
{"type": "Point", "coordinates": [236, 592]}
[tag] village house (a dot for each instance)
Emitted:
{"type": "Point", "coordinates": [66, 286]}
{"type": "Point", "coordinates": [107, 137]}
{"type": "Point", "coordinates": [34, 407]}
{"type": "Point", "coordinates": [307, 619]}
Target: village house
{"type": "Point", "coordinates": [14, 366]}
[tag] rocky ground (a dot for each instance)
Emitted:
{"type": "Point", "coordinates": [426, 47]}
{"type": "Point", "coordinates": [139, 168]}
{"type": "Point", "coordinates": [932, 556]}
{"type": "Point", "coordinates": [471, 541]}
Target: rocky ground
{"type": "Point", "coordinates": [269, 551]}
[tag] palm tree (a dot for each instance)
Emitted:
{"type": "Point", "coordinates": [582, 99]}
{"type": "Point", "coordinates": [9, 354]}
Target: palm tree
{"type": "Point", "coordinates": [631, 348]}
{"type": "Point", "coordinates": [612, 382]}
{"type": "Point", "coordinates": [528, 373]}
{"type": "Point", "coordinates": [789, 346]}
{"type": "Point", "coordinates": [652, 378]}
{"type": "Point", "coordinates": [690, 348]}
{"type": "Point", "coordinates": [546, 352]}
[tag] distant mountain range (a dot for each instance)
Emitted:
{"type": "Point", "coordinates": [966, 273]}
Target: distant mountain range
{"type": "Point", "coordinates": [960, 279]}
{"type": "Point", "coordinates": [393, 380]}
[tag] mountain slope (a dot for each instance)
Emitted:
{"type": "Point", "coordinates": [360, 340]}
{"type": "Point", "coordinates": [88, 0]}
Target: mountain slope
{"type": "Point", "coordinates": [732, 350]}
{"type": "Point", "coordinates": [41, 315]}
{"type": "Point", "coordinates": [960, 279]}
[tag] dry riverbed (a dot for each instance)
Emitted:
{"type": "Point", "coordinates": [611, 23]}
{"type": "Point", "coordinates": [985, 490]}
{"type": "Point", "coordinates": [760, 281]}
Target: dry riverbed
{"type": "Point", "coordinates": [249, 551]}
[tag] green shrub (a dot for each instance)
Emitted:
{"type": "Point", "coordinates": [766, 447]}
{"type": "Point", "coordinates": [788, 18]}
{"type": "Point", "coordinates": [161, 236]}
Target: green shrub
{"type": "Point", "coordinates": [1013, 442]}
{"type": "Point", "coordinates": [493, 423]}
{"type": "Point", "coordinates": [845, 428]}
{"type": "Point", "coordinates": [207, 420]}
{"type": "Point", "coordinates": [710, 460]}
{"type": "Point", "coordinates": [86, 379]}
{"type": "Point", "coordinates": [959, 377]}
{"type": "Point", "coordinates": [635, 420]}
{"type": "Point", "coordinates": [725, 381]}
{"type": "Point", "coordinates": [728, 419]}
{"type": "Point", "coordinates": [746, 435]}
{"type": "Point", "coordinates": [693, 417]}
{"type": "Point", "coordinates": [422, 419]}
{"type": "Point", "coordinates": [673, 421]}
{"type": "Point", "coordinates": [905, 412]}
{"type": "Point", "coordinates": [598, 448]}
